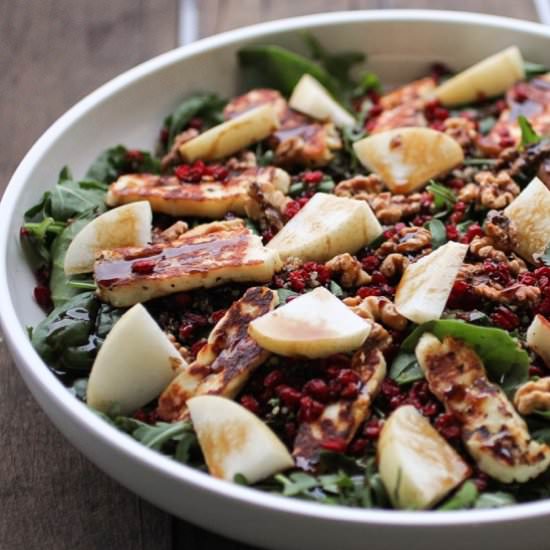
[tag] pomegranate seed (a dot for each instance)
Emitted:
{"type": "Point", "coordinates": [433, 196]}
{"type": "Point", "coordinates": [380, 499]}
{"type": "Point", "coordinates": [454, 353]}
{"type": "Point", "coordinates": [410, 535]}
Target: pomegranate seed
{"type": "Point", "coordinates": [197, 346]}
{"type": "Point", "coordinates": [313, 177]}
{"type": "Point", "coordinates": [134, 155]}
{"type": "Point", "coordinates": [217, 315]}
{"type": "Point", "coordinates": [183, 299]}
{"type": "Point", "coordinates": [372, 429]}
{"type": "Point", "coordinates": [527, 278]}
{"type": "Point", "coordinates": [544, 307]}
{"type": "Point", "coordinates": [335, 444]}
{"type": "Point", "coordinates": [290, 430]}
{"type": "Point", "coordinates": [390, 388]}
{"type": "Point", "coordinates": [273, 379]}
{"type": "Point", "coordinates": [318, 389]}
{"type": "Point", "coordinates": [297, 280]}
{"type": "Point", "coordinates": [535, 370]}
{"type": "Point", "coordinates": [452, 232]}
{"type": "Point", "coordinates": [505, 318]}
{"type": "Point", "coordinates": [43, 297]}
{"type": "Point", "coordinates": [365, 292]}
{"type": "Point", "coordinates": [350, 391]}
{"type": "Point", "coordinates": [397, 401]}
{"type": "Point", "coordinates": [474, 230]}
{"type": "Point", "coordinates": [358, 446]}
{"type": "Point", "coordinates": [144, 267]}
{"type": "Point", "coordinates": [186, 330]}
{"type": "Point", "coordinates": [289, 396]}
{"type": "Point", "coordinates": [348, 376]}
{"type": "Point", "coordinates": [310, 409]}
{"type": "Point", "coordinates": [448, 426]}
{"type": "Point", "coordinates": [430, 408]}
{"type": "Point", "coordinates": [482, 481]}
{"type": "Point", "coordinates": [250, 403]}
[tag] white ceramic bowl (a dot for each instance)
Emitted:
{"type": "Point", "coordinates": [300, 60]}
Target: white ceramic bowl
{"type": "Point", "coordinates": [129, 110]}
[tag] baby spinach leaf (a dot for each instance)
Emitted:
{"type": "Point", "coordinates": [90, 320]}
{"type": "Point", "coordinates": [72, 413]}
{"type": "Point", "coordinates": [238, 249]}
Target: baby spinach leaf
{"type": "Point", "coordinates": [464, 498]}
{"type": "Point", "coordinates": [528, 134]}
{"type": "Point", "coordinates": [60, 288]}
{"type": "Point", "coordinates": [501, 354]}
{"type": "Point", "coordinates": [284, 294]}
{"type": "Point", "coordinates": [118, 160]}
{"type": "Point", "coordinates": [444, 198]}
{"type": "Point", "coordinates": [405, 368]}
{"type": "Point", "coordinates": [276, 67]}
{"type": "Point", "coordinates": [336, 289]}
{"type": "Point", "coordinates": [65, 339]}
{"type": "Point", "coordinates": [36, 239]}
{"type": "Point", "coordinates": [207, 106]}
{"type": "Point", "coordinates": [438, 231]}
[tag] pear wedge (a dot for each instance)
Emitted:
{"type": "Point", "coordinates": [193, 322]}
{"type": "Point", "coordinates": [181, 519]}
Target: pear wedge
{"type": "Point", "coordinates": [312, 98]}
{"type": "Point", "coordinates": [316, 324]}
{"type": "Point", "coordinates": [128, 225]}
{"type": "Point", "coordinates": [529, 212]}
{"type": "Point", "coordinates": [235, 441]}
{"type": "Point", "coordinates": [426, 284]}
{"type": "Point", "coordinates": [134, 364]}
{"type": "Point", "coordinates": [488, 78]}
{"type": "Point", "coordinates": [538, 337]}
{"type": "Point", "coordinates": [325, 227]}
{"type": "Point", "coordinates": [233, 135]}
{"type": "Point", "coordinates": [417, 466]}
{"type": "Point", "coordinates": [407, 158]}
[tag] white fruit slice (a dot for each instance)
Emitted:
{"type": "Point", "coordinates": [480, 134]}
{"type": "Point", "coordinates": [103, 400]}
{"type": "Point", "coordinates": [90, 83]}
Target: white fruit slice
{"type": "Point", "coordinates": [235, 441]}
{"type": "Point", "coordinates": [325, 227]}
{"type": "Point", "coordinates": [530, 213]}
{"type": "Point", "coordinates": [135, 363]}
{"type": "Point", "coordinates": [128, 225]}
{"type": "Point", "coordinates": [417, 466]}
{"type": "Point", "coordinates": [426, 284]}
{"type": "Point", "coordinates": [312, 98]}
{"type": "Point", "coordinates": [233, 135]}
{"type": "Point", "coordinates": [316, 324]}
{"type": "Point", "coordinates": [538, 337]}
{"type": "Point", "coordinates": [490, 77]}
{"type": "Point", "coordinates": [407, 158]}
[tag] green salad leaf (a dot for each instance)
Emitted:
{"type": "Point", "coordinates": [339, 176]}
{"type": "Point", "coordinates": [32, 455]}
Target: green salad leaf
{"type": "Point", "coordinates": [207, 106]}
{"type": "Point", "coordinates": [438, 231]}
{"type": "Point", "coordinates": [276, 67]}
{"type": "Point", "coordinates": [465, 497]}
{"type": "Point", "coordinates": [497, 499]}
{"type": "Point", "coordinates": [501, 354]}
{"type": "Point", "coordinates": [118, 160]}
{"type": "Point", "coordinates": [444, 198]}
{"type": "Point", "coordinates": [60, 288]}
{"type": "Point", "coordinates": [528, 134]}
{"type": "Point", "coordinates": [534, 69]}
{"type": "Point", "coordinates": [405, 368]}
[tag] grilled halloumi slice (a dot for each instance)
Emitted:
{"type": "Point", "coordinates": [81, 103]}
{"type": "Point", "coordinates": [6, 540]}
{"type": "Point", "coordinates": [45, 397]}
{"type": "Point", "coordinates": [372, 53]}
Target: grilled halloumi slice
{"type": "Point", "coordinates": [341, 420]}
{"type": "Point", "coordinates": [299, 139]}
{"type": "Point", "coordinates": [208, 199]}
{"type": "Point", "coordinates": [226, 361]}
{"type": "Point", "coordinates": [206, 256]}
{"type": "Point", "coordinates": [493, 433]}
{"type": "Point", "coordinates": [416, 90]}
{"type": "Point", "coordinates": [530, 99]}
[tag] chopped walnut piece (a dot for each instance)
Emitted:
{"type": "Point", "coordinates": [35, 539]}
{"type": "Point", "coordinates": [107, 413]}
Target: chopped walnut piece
{"type": "Point", "coordinates": [175, 231]}
{"type": "Point", "coordinates": [359, 187]}
{"type": "Point", "coordinates": [461, 130]}
{"type": "Point", "coordinates": [173, 156]}
{"type": "Point", "coordinates": [496, 191]}
{"type": "Point", "coordinates": [184, 352]}
{"type": "Point", "coordinates": [242, 162]}
{"type": "Point", "coordinates": [406, 240]}
{"type": "Point", "coordinates": [469, 193]}
{"type": "Point", "coordinates": [533, 396]}
{"type": "Point", "coordinates": [350, 269]}
{"type": "Point", "coordinates": [377, 308]}
{"type": "Point", "coordinates": [501, 230]}
{"type": "Point", "coordinates": [484, 248]}
{"type": "Point", "coordinates": [394, 264]}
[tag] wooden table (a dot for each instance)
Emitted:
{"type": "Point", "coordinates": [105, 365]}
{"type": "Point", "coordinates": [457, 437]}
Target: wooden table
{"type": "Point", "coordinates": [52, 53]}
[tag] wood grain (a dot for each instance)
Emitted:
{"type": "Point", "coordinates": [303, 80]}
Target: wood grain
{"type": "Point", "coordinates": [52, 53]}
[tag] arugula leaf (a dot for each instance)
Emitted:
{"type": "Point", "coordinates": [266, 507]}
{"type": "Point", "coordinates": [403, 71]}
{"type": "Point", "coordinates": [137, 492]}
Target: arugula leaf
{"type": "Point", "coordinates": [501, 354]}
{"type": "Point", "coordinates": [65, 339]}
{"type": "Point", "coordinates": [464, 498]}
{"type": "Point", "coordinates": [367, 82]}
{"type": "Point", "coordinates": [284, 294]}
{"type": "Point", "coordinates": [405, 368]}
{"type": "Point", "coordinates": [528, 134]}
{"type": "Point", "coordinates": [156, 436]}
{"type": "Point", "coordinates": [494, 500]}
{"type": "Point", "coordinates": [444, 198]}
{"type": "Point", "coordinates": [60, 288]}
{"type": "Point", "coordinates": [296, 483]}
{"type": "Point", "coordinates": [479, 162]}
{"type": "Point", "coordinates": [533, 69]}
{"type": "Point", "coordinates": [207, 106]}
{"type": "Point", "coordinates": [118, 160]}
{"type": "Point", "coordinates": [438, 231]}
{"type": "Point", "coordinates": [276, 67]}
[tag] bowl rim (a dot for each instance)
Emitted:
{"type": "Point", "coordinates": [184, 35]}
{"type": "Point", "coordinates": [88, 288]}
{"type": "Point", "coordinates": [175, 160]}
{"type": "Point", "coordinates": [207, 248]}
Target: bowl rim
{"type": "Point", "coordinates": [34, 368]}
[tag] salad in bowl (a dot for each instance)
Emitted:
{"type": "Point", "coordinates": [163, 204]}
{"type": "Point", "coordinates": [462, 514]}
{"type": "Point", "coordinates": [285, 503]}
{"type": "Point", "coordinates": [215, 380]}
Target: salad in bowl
{"type": "Point", "coordinates": [320, 288]}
